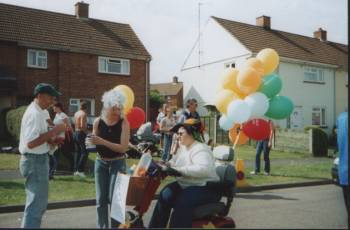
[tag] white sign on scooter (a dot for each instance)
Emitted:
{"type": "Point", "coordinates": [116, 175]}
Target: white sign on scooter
{"type": "Point", "coordinates": [118, 206]}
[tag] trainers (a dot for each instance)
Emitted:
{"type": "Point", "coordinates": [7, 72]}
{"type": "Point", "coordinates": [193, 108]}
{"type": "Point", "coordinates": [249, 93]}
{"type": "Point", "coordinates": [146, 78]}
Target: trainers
{"type": "Point", "coordinates": [81, 174]}
{"type": "Point", "coordinates": [253, 173]}
{"type": "Point", "coordinates": [266, 174]}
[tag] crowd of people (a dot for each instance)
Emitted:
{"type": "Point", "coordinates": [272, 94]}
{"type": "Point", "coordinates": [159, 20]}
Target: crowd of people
{"type": "Point", "coordinates": [42, 139]}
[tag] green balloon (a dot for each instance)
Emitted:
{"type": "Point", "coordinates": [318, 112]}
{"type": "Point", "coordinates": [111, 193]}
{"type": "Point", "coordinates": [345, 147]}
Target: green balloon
{"type": "Point", "coordinates": [271, 85]}
{"type": "Point", "coordinates": [280, 107]}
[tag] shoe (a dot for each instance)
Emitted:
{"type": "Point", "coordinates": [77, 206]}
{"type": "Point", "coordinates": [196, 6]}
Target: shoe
{"type": "Point", "coordinates": [51, 177]}
{"type": "Point", "coordinates": [266, 174]}
{"type": "Point", "coordinates": [75, 173]}
{"type": "Point", "coordinates": [81, 174]}
{"type": "Point", "coordinates": [253, 173]}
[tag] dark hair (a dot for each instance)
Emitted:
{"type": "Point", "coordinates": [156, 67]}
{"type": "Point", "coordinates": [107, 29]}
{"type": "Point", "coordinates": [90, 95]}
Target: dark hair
{"type": "Point", "coordinates": [189, 102]}
{"type": "Point", "coordinates": [59, 105]}
{"type": "Point", "coordinates": [83, 105]}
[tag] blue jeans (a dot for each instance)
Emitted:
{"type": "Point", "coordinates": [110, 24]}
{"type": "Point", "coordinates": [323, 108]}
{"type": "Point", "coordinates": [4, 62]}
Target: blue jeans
{"type": "Point", "coordinates": [105, 175]}
{"type": "Point", "coordinates": [82, 154]}
{"type": "Point", "coordinates": [53, 162]}
{"type": "Point", "coordinates": [168, 138]}
{"type": "Point", "coordinates": [262, 145]}
{"type": "Point", "coordinates": [35, 169]}
{"type": "Point", "coordinates": [183, 201]}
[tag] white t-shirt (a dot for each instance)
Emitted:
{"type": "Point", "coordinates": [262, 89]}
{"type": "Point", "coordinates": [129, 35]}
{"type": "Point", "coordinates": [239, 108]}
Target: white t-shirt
{"type": "Point", "coordinates": [34, 123]}
{"type": "Point", "coordinates": [196, 164]}
{"type": "Point", "coordinates": [59, 119]}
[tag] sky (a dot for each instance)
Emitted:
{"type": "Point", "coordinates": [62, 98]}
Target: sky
{"type": "Point", "coordinates": [169, 28]}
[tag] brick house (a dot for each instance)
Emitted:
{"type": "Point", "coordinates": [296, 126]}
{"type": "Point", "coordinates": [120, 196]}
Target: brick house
{"type": "Point", "coordinates": [81, 56]}
{"type": "Point", "coordinates": [172, 92]}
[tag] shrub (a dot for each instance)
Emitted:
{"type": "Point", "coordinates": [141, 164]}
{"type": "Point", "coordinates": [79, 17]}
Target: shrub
{"type": "Point", "coordinates": [13, 121]}
{"type": "Point", "coordinates": [319, 141]}
{"type": "Point", "coordinates": [156, 100]}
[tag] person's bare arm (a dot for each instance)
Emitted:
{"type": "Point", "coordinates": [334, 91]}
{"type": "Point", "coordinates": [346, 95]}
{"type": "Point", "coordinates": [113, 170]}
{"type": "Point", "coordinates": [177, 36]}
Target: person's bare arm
{"type": "Point", "coordinates": [46, 137]}
{"type": "Point", "coordinates": [124, 139]}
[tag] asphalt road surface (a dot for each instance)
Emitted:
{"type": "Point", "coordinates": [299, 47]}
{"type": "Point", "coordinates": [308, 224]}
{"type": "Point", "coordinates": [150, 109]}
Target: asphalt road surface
{"type": "Point", "coordinates": [317, 207]}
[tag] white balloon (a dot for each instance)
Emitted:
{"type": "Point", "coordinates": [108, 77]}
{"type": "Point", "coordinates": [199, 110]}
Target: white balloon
{"type": "Point", "coordinates": [238, 111]}
{"type": "Point", "coordinates": [225, 123]}
{"type": "Point", "coordinates": [258, 103]}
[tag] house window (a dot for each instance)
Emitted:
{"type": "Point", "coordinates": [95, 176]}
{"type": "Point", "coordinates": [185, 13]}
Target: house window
{"type": "Point", "coordinates": [74, 105]}
{"type": "Point", "coordinates": [319, 116]}
{"type": "Point", "coordinates": [314, 75]}
{"type": "Point", "coordinates": [113, 65]}
{"type": "Point", "coordinates": [37, 58]}
{"type": "Point", "coordinates": [230, 65]}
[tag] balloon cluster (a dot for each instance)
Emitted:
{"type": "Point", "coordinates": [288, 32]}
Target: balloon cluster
{"type": "Point", "coordinates": [135, 115]}
{"type": "Point", "coordinates": [249, 94]}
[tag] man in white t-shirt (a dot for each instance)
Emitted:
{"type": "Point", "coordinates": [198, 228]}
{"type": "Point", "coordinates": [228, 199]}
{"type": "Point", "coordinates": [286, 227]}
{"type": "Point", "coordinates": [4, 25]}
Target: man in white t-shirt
{"type": "Point", "coordinates": [34, 147]}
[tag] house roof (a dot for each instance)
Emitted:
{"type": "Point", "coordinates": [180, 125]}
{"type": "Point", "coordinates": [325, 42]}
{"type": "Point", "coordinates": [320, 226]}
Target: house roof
{"type": "Point", "coordinates": [256, 38]}
{"type": "Point", "coordinates": [167, 89]}
{"type": "Point", "coordinates": [49, 30]}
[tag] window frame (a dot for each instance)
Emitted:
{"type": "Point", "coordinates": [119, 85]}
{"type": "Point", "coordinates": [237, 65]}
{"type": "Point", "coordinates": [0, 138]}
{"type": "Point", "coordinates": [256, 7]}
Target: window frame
{"type": "Point", "coordinates": [322, 114]}
{"type": "Point", "coordinates": [78, 100]}
{"type": "Point", "coordinates": [314, 70]}
{"type": "Point", "coordinates": [109, 60]}
{"type": "Point", "coordinates": [37, 56]}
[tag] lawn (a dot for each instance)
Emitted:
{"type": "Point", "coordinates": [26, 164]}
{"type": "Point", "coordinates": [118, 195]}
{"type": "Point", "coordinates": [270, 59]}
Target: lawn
{"type": "Point", "coordinates": [286, 167]}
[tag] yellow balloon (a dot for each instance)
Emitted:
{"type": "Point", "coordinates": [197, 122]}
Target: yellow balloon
{"type": "Point", "coordinates": [223, 98]}
{"type": "Point", "coordinates": [129, 96]}
{"type": "Point", "coordinates": [229, 81]}
{"type": "Point", "coordinates": [248, 80]}
{"type": "Point", "coordinates": [255, 64]}
{"type": "Point", "coordinates": [270, 59]}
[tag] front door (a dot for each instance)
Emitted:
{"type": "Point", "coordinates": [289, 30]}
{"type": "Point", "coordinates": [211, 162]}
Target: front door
{"type": "Point", "coordinates": [296, 118]}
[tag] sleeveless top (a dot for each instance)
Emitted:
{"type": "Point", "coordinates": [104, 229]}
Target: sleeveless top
{"type": "Point", "coordinates": [112, 134]}
{"type": "Point", "coordinates": [189, 115]}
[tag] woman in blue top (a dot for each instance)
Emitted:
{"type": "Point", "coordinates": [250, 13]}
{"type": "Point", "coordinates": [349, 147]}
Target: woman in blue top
{"type": "Point", "coordinates": [342, 137]}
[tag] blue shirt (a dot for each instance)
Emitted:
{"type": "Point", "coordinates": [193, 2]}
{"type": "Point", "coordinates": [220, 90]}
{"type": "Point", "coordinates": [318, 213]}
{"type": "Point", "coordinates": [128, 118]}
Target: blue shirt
{"type": "Point", "coordinates": [342, 134]}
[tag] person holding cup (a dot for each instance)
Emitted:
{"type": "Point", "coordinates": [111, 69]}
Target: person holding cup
{"type": "Point", "coordinates": [110, 134]}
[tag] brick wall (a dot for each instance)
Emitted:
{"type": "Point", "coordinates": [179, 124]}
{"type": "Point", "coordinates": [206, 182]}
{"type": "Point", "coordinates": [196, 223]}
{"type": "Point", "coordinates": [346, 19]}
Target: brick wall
{"type": "Point", "coordinates": [74, 74]}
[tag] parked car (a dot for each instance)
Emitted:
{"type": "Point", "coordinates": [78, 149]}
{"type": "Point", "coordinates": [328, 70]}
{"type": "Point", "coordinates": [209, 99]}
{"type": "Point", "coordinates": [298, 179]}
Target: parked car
{"type": "Point", "coordinates": [334, 170]}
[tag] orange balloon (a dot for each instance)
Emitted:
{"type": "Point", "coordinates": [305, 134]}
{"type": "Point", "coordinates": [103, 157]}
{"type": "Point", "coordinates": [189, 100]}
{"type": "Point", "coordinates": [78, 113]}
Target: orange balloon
{"type": "Point", "coordinates": [270, 59]}
{"type": "Point", "coordinates": [229, 81]}
{"type": "Point", "coordinates": [223, 98]}
{"type": "Point", "coordinates": [233, 134]}
{"type": "Point", "coordinates": [248, 80]}
{"type": "Point", "coordinates": [255, 64]}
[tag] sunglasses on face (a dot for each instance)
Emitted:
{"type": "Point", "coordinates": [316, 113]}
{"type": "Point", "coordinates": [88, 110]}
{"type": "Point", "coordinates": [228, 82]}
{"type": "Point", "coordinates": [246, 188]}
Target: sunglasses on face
{"type": "Point", "coordinates": [180, 133]}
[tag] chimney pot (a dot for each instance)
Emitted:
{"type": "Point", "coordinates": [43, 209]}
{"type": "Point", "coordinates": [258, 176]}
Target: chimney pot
{"type": "Point", "coordinates": [264, 21]}
{"type": "Point", "coordinates": [82, 10]}
{"type": "Point", "coordinates": [175, 80]}
{"type": "Point", "coordinates": [320, 34]}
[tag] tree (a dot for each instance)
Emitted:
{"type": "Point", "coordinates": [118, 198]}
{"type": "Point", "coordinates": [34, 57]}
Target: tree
{"type": "Point", "coordinates": [156, 100]}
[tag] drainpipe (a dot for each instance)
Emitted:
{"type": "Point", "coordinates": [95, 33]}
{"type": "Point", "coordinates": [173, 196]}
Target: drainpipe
{"type": "Point", "coordinates": [148, 60]}
{"type": "Point", "coordinates": [334, 98]}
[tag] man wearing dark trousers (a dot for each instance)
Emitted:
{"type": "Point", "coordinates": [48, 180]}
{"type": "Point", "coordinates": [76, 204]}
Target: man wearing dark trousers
{"type": "Point", "coordinates": [80, 122]}
{"type": "Point", "coordinates": [34, 147]}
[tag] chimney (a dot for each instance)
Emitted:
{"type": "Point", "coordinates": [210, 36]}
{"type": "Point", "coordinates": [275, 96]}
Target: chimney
{"type": "Point", "coordinates": [321, 34]}
{"type": "Point", "coordinates": [175, 80]}
{"type": "Point", "coordinates": [264, 21]}
{"type": "Point", "coordinates": [82, 10]}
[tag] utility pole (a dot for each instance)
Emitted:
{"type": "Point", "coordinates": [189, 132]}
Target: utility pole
{"type": "Point", "coordinates": [199, 34]}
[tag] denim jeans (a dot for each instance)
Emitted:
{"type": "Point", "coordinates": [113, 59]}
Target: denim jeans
{"type": "Point", "coordinates": [167, 145]}
{"type": "Point", "coordinates": [82, 154]}
{"type": "Point", "coordinates": [53, 162]}
{"type": "Point", "coordinates": [105, 175]}
{"type": "Point", "coordinates": [183, 201]}
{"type": "Point", "coordinates": [262, 145]}
{"type": "Point", "coordinates": [35, 169]}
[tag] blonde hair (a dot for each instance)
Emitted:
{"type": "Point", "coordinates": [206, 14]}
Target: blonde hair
{"type": "Point", "coordinates": [113, 98]}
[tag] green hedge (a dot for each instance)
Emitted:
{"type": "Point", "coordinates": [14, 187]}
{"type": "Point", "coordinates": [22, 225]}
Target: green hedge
{"type": "Point", "coordinates": [319, 141]}
{"type": "Point", "coordinates": [13, 121]}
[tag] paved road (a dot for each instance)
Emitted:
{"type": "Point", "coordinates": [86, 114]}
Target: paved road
{"type": "Point", "coordinates": [317, 207]}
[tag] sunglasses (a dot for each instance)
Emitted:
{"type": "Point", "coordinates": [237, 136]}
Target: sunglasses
{"type": "Point", "coordinates": [180, 133]}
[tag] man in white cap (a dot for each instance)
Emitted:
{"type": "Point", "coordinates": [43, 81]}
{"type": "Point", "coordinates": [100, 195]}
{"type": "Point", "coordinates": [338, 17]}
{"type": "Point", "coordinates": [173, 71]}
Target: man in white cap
{"type": "Point", "coordinates": [34, 147]}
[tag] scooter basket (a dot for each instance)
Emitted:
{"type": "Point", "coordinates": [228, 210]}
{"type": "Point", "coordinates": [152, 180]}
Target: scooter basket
{"type": "Point", "coordinates": [136, 190]}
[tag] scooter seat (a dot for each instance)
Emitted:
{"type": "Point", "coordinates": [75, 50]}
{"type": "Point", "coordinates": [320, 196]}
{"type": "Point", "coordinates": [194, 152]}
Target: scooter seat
{"type": "Point", "coordinates": [209, 209]}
